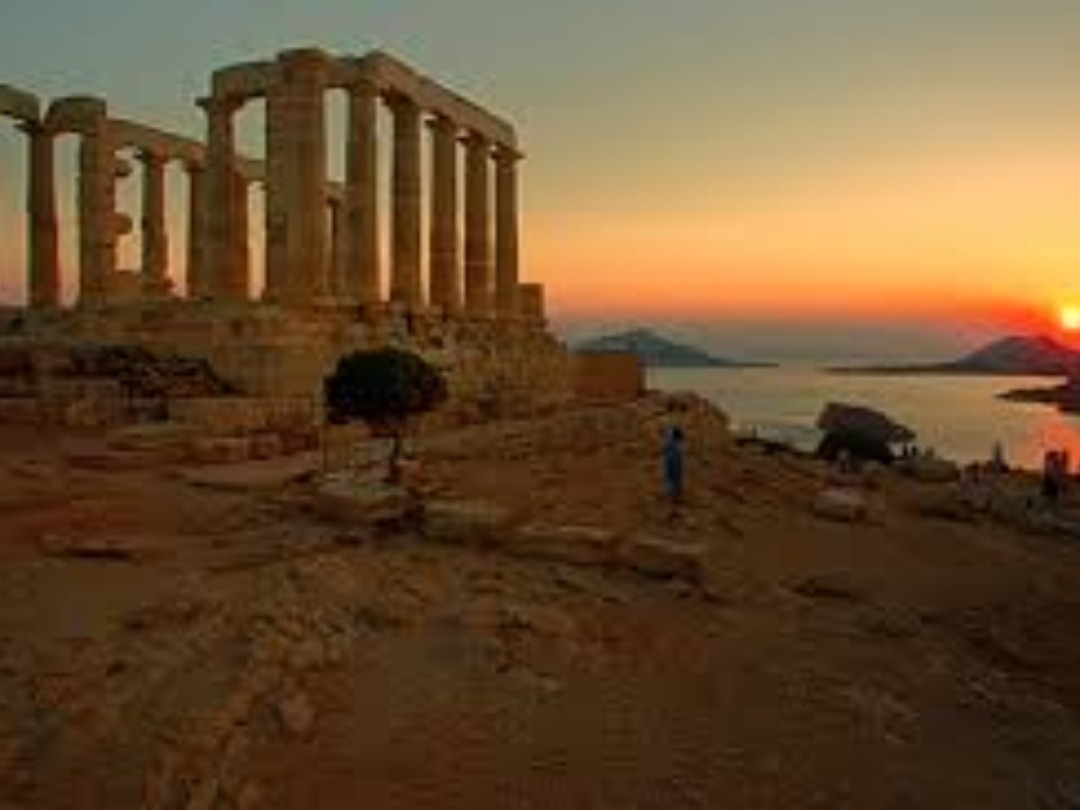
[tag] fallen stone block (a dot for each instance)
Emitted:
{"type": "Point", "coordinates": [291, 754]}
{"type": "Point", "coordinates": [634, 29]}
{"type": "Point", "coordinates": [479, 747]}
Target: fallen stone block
{"type": "Point", "coordinates": [578, 545]}
{"type": "Point", "coordinates": [657, 557]}
{"type": "Point", "coordinates": [267, 445]}
{"type": "Point", "coordinates": [843, 505]}
{"type": "Point", "coordinates": [466, 522]}
{"type": "Point", "coordinates": [221, 450]}
{"type": "Point", "coordinates": [350, 502]}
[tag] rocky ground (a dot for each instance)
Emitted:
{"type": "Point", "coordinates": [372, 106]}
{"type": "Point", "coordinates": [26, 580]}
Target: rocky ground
{"type": "Point", "coordinates": [179, 638]}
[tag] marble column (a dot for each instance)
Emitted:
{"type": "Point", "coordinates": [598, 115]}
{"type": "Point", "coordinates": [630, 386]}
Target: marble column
{"type": "Point", "coordinates": [506, 231]}
{"type": "Point", "coordinates": [406, 214]}
{"type": "Point", "coordinates": [219, 232]}
{"type": "Point", "coordinates": [155, 245]}
{"type": "Point", "coordinates": [303, 81]}
{"type": "Point", "coordinates": [196, 281]}
{"type": "Point", "coordinates": [237, 286]}
{"type": "Point", "coordinates": [98, 220]}
{"type": "Point", "coordinates": [361, 207]}
{"type": "Point", "coordinates": [445, 281]}
{"type": "Point", "coordinates": [336, 259]}
{"type": "Point", "coordinates": [477, 227]}
{"type": "Point", "coordinates": [276, 288]}
{"type": "Point", "coordinates": [42, 239]}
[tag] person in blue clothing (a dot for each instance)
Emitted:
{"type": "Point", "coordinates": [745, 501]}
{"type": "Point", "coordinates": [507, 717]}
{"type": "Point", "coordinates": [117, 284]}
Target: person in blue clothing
{"type": "Point", "coordinates": [673, 464]}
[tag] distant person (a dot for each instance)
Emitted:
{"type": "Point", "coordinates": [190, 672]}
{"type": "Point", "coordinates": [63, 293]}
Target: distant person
{"type": "Point", "coordinates": [1051, 478]}
{"type": "Point", "coordinates": [673, 452]}
{"type": "Point", "coordinates": [997, 459]}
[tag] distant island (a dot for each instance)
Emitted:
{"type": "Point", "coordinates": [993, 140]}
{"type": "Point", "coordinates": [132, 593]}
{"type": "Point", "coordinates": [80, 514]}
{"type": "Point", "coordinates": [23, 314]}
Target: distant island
{"type": "Point", "coordinates": [1021, 355]}
{"type": "Point", "coordinates": [659, 352]}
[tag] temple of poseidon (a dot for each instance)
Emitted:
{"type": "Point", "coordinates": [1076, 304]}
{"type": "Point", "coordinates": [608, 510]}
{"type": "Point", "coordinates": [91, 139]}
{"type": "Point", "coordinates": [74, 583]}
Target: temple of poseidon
{"type": "Point", "coordinates": [324, 292]}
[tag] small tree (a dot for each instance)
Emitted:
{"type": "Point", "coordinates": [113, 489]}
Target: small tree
{"type": "Point", "coordinates": [386, 388]}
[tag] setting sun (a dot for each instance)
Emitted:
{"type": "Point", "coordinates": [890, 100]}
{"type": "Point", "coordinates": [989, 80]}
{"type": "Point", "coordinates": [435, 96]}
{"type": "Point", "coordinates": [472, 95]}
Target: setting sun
{"type": "Point", "coordinates": [1070, 318]}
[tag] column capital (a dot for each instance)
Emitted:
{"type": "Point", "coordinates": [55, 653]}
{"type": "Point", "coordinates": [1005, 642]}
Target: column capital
{"type": "Point", "coordinates": [220, 105]}
{"type": "Point", "coordinates": [475, 140]}
{"type": "Point", "coordinates": [443, 125]}
{"type": "Point", "coordinates": [507, 155]}
{"type": "Point", "coordinates": [151, 157]}
{"type": "Point", "coordinates": [400, 103]}
{"type": "Point", "coordinates": [362, 87]}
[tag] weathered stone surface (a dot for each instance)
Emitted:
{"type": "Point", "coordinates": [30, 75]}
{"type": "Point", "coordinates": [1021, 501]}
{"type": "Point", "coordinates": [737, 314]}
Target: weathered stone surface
{"type": "Point", "coordinates": [845, 505]}
{"type": "Point", "coordinates": [466, 522]}
{"type": "Point", "coordinates": [579, 545]}
{"type": "Point", "coordinates": [347, 501]}
{"type": "Point", "coordinates": [296, 714]}
{"type": "Point", "coordinates": [221, 450]}
{"type": "Point", "coordinates": [270, 474]}
{"type": "Point", "coordinates": [930, 470]}
{"type": "Point", "coordinates": [663, 558]}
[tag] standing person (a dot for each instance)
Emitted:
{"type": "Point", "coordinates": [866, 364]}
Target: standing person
{"type": "Point", "coordinates": [673, 465]}
{"type": "Point", "coordinates": [1051, 478]}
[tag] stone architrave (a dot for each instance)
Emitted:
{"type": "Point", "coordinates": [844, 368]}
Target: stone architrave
{"type": "Point", "coordinates": [477, 226]}
{"type": "Point", "coordinates": [445, 280]}
{"type": "Point", "coordinates": [361, 207]}
{"type": "Point", "coordinates": [196, 282]}
{"type": "Point", "coordinates": [506, 231]}
{"type": "Point", "coordinates": [44, 261]}
{"type": "Point", "coordinates": [155, 245]}
{"type": "Point", "coordinates": [405, 281]}
{"type": "Point", "coordinates": [220, 214]}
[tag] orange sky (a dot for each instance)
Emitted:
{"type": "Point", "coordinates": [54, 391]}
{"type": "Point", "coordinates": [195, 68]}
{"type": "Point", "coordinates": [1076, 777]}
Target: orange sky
{"type": "Point", "coordinates": [830, 161]}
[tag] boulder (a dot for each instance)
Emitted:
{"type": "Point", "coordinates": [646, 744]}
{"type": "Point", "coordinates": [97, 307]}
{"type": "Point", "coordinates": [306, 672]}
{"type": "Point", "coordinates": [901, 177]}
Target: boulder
{"type": "Point", "coordinates": [465, 522]}
{"type": "Point", "coordinates": [838, 417]}
{"type": "Point", "coordinates": [845, 505]}
{"type": "Point", "coordinates": [657, 557]}
{"type": "Point", "coordinates": [578, 545]}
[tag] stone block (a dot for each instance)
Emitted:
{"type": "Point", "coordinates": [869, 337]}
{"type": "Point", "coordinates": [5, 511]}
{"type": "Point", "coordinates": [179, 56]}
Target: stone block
{"type": "Point", "coordinates": [578, 545]}
{"type": "Point", "coordinates": [267, 445]}
{"type": "Point", "coordinates": [221, 450]}
{"type": "Point", "coordinates": [466, 522]}
{"type": "Point", "coordinates": [351, 502]}
{"type": "Point", "coordinates": [657, 557]}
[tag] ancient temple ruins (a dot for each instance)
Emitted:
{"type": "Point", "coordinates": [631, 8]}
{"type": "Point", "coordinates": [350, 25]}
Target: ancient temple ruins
{"type": "Point", "coordinates": [326, 289]}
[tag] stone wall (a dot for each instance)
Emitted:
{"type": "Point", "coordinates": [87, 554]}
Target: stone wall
{"type": "Point", "coordinates": [495, 368]}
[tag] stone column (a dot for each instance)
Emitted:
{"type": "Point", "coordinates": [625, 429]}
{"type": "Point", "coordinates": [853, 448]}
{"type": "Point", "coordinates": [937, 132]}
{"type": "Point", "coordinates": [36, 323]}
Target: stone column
{"type": "Point", "coordinates": [530, 299]}
{"type": "Point", "coordinates": [445, 280]}
{"type": "Point", "coordinates": [405, 281]}
{"type": "Point", "coordinates": [196, 276]}
{"type": "Point", "coordinates": [477, 227]}
{"type": "Point", "coordinates": [506, 231]}
{"type": "Point", "coordinates": [42, 242]}
{"type": "Point", "coordinates": [155, 245]}
{"type": "Point", "coordinates": [335, 260]}
{"type": "Point", "coordinates": [297, 269]}
{"type": "Point", "coordinates": [219, 232]}
{"type": "Point", "coordinates": [237, 284]}
{"type": "Point", "coordinates": [361, 207]}
{"type": "Point", "coordinates": [99, 223]}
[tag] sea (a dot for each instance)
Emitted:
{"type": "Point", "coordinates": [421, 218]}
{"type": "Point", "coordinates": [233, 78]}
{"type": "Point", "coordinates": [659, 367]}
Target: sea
{"type": "Point", "coordinates": [959, 417]}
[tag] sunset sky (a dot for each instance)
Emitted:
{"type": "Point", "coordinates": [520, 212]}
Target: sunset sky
{"type": "Point", "coordinates": [781, 177]}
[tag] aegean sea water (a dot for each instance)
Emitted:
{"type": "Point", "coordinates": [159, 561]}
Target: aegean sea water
{"type": "Point", "coordinates": [960, 417]}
